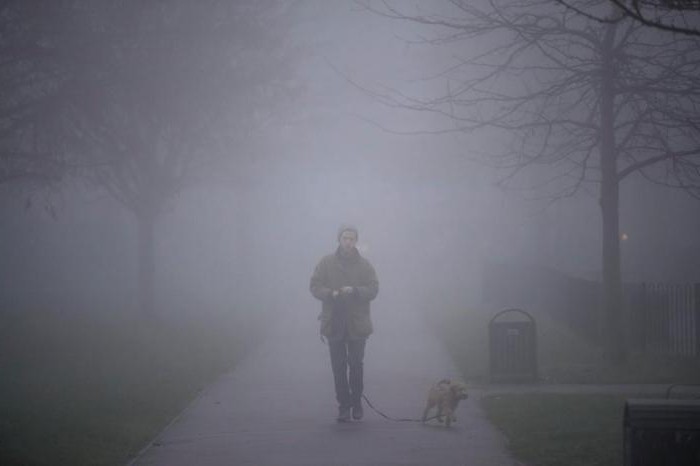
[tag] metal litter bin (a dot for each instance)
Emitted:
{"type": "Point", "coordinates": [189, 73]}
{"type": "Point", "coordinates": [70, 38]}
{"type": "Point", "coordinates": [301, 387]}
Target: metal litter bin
{"type": "Point", "coordinates": [513, 347]}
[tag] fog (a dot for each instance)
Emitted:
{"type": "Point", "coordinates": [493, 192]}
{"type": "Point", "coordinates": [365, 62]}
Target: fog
{"type": "Point", "coordinates": [430, 218]}
{"type": "Point", "coordinates": [171, 173]}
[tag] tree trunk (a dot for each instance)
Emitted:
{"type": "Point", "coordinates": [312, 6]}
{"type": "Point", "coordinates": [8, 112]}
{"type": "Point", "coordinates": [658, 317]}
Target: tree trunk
{"type": "Point", "coordinates": [612, 302]}
{"type": "Point", "coordinates": [146, 263]}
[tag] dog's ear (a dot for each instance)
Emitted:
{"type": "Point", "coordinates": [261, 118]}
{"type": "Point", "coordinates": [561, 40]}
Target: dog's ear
{"type": "Point", "coordinates": [445, 382]}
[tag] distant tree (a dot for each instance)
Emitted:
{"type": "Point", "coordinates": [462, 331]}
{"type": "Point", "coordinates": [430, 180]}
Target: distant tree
{"type": "Point", "coordinates": [34, 87]}
{"type": "Point", "coordinates": [584, 102]}
{"type": "Point", "coordinates": [174, 93]}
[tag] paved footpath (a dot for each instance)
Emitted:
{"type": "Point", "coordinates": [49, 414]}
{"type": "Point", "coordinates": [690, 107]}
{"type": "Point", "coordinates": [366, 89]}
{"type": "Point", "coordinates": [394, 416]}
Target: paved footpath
{"type": "Point", "coordinates": [278, 408]}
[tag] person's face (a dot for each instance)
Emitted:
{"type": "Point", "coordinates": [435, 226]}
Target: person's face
{"type": "Point", "coordinates": [348, 240]}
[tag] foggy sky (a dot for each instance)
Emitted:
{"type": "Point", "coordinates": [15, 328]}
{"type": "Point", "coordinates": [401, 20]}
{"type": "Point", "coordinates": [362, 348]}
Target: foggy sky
{"type": "Point", "coordinates": [429, 218]}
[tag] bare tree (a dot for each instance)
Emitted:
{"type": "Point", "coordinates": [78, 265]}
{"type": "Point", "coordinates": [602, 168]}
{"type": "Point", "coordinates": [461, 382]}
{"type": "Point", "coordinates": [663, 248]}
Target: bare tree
{"type": "Point", "coordinates": [678, 16]}
{"type": "Point", "coordinates": [175, 93]}
{"type": "Point", "coordinates": [33, 91]}
{"type": "Point", "coordinates": [586, 102]}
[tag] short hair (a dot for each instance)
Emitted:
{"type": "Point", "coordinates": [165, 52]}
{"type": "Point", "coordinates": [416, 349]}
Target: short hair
{"type": "Point", "coordinates": [346, 227]}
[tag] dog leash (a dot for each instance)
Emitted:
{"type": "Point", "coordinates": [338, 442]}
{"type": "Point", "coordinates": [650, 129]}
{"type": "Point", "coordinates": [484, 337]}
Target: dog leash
{"type": "Point", "coordinates": [364, 397]}
{"type": "Point", "coordinates": [369, 403]}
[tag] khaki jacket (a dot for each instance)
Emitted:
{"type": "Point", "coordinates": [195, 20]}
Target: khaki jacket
{"type": "Point", "coordinates": [345, 313]}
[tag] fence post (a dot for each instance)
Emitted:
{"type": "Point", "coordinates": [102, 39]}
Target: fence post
{"type": "Point", "coordinates": [696, 308]}
{"type": "Point", "coordinates": [642, 322]}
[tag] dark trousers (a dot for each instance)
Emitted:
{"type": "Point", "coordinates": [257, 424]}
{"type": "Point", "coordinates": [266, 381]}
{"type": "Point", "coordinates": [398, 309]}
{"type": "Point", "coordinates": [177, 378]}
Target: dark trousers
{"type": "Point", "coordinates": [346, 361]}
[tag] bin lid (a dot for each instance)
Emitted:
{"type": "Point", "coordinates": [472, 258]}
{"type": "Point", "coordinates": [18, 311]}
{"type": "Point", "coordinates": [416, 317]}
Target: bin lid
{"type": "Point", "coordinates": [513, 311]}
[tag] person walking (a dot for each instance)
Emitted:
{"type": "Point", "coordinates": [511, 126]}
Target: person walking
{"type": "Point", "coordinates": [345, 283]}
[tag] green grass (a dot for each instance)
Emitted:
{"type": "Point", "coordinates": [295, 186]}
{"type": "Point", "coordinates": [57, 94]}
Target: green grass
{"type": "Point", "coordinates": [466, 336]}
{"type": "Point", "coordinates": [560, 430]}
{"type": "Point", "coordinates": [563, 356]}
{"type": "Point", "coordinates": [79, 388]}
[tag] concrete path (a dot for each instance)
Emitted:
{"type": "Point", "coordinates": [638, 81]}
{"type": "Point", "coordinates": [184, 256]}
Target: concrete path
{"type": "Point", "coordinates": [278, 408]}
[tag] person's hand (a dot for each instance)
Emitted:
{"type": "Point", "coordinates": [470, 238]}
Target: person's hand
{"type": "Point", "coordinates": [335, 294]}
{"type": "Point", "coordinates": [347, 290]}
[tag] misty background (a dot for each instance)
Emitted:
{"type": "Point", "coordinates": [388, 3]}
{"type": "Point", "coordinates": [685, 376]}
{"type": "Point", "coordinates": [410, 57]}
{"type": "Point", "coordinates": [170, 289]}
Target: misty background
{"type": "Point", "coordinates": [245, 242]}
{"type": "Point", "coordinates": [171, 172]}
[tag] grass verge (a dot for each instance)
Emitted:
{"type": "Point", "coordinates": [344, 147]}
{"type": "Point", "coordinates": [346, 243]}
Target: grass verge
{"type": "Point", "coordinates": [560, 430]}
{"type": "Point", "coordinates": [563, 356]}
{"type": "Point", "coordinates": [94, 388]}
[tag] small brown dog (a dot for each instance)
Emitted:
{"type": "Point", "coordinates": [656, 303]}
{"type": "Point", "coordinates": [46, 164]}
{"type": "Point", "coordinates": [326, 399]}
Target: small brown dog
{"type": "Point", "coordinates": [446, 395]}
